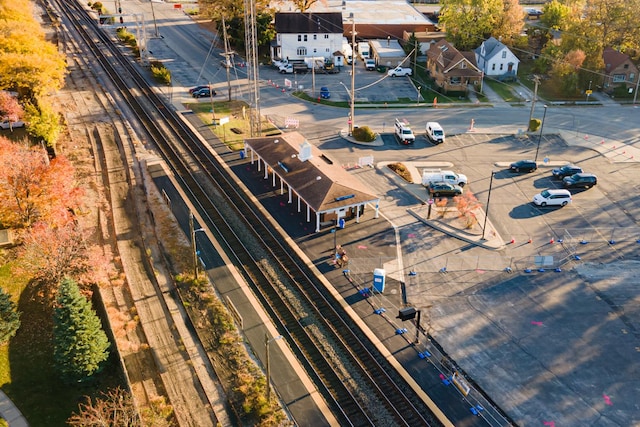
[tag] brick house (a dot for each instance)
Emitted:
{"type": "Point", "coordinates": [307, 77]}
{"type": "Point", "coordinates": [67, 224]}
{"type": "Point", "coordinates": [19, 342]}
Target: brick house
{"type": "Point", "coordinates": [451, 69]}
{"type": "Point", "coordinates": [619, 70]}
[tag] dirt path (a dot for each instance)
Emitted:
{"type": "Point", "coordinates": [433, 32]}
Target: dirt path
{"type": "Point", "coordinates": [159, 361]}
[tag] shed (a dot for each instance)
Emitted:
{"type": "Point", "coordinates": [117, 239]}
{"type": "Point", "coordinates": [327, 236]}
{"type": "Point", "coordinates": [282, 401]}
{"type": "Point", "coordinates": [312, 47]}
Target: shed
{"type": "Point", "coordinates": [387, 52]}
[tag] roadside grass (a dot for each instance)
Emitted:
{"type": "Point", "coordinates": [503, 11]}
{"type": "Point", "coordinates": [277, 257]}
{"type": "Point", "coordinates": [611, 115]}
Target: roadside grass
{"type": "Point", "coordinates": [237, 129]}
{"type": "Point", "coordinates": [27, 375]}
{"type": "Point", "coordinates": [506, 90]}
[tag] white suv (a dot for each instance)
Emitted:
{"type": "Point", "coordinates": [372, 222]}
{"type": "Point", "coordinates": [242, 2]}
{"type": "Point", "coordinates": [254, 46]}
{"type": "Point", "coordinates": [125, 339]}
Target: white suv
{"type": "Point", "coordinates": [552, 198]}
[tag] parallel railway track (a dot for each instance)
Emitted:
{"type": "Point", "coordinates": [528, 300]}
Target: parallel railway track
{"type": "Point", "coordinates": [362, 389]}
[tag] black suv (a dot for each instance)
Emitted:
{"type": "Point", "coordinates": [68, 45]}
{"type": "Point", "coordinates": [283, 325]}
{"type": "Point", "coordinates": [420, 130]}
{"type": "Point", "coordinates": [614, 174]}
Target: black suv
{"type": "Point", "coordinates": [566, 170]}
{"type": "Point", "coordinates": [586, 180]}
{"type": "Point", "coordinates": [523, 166]}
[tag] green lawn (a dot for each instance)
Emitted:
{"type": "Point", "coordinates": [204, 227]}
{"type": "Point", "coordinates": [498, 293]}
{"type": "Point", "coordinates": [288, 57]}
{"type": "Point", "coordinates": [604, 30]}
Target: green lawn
{"type": "Point", "coordinates": [26, 362]}
{"type": "Point", "coordinates": [507, 91]}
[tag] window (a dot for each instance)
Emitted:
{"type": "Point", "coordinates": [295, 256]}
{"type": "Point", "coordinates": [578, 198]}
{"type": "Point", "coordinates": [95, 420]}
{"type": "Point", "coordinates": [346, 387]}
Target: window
{"type": "Point", "coordinates": [315, 37]}
{"type": "Point", "coordinates": [326, 36]}
{"type": "Point", "coordinates": [301, 51]}
{"type": "Point", "coordinates": [315, 50]}
{"type": "Point", "coordinates": [632, 76]}
{"type": "Point", "coordinates": [305, 37]}
{"type": "Point", "coordinates": [501, 67]}
{"type": "Point", "coordinates": [299, 38]}
{"type": "Point", "coordinates": [504, 54]}
{"type": "Point", "coordinates": [463, 65]}
{"type": "Point", "coordinates": [493, 67]}
{"type": "Point", "coordinates": [626, 66]}
{"type": "Point", "coordinates": [327, 50]}
{"type": "Point", "coordinates": [618, 78]}
{"type": "Point", "coordinates": [455, 80]}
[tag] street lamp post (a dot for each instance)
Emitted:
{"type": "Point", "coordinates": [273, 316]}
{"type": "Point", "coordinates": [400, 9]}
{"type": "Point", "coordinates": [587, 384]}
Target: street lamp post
{"type": "Point", "coordinates": [419, 88]}
{"type": "Point", "coordinates": [193, 232]}
{"type": "Point", "coordinates": [540, 136]}
{"type": "Point", "coordinates": [267, 340]}
{"type": "Point", "coordinates": [486, 212]}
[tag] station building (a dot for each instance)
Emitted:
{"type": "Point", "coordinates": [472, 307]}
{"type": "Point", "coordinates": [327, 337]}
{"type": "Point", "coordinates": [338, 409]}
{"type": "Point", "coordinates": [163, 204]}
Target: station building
{"type": "Point", "coordinates": [327, 191]}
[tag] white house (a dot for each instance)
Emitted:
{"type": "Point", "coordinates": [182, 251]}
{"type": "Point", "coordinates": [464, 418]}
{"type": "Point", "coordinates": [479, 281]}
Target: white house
{"type": "Point", "coordinates": [301, 35]}
{"type": "Point", "coordinates": [496, 60]}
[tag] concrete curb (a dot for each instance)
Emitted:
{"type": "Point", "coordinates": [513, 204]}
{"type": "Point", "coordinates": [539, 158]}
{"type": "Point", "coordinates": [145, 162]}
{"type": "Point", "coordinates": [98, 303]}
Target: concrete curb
{"type": "Point", "coordinates": [10, 412]}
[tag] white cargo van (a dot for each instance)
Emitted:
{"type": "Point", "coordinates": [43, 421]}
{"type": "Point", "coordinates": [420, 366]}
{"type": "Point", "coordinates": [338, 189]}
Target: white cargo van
{"type": "Point", "coordinates": [363, 50]}
{"type": "Point", "coordinates": [435, 133]}
{"type": "Point", "coordinates": [438, 175]}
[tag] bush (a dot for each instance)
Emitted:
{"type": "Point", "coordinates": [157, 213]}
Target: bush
{"type": "Point", "coordinates": [534, 125]}
{"type": "Point", "coordinates": [401, 170]}
{"type": "Point", "coordinates": [363, 134]}
{"type": "Point", "coordinates": [160, 72]}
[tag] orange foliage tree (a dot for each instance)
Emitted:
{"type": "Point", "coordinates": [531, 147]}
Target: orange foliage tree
{"type": "Point", "coordinates": [466, 204]}
{"type": "Point", "coordinates": [10, 108]}
{"type": "Point", "coordinates": [33, 189]}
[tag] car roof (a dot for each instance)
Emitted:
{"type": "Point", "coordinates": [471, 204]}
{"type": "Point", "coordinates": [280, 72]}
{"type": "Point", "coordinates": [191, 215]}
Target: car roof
{"type": "Point", "coordinates": [585, 175]}
{"type": "Point", "coordinates": [556, 191]}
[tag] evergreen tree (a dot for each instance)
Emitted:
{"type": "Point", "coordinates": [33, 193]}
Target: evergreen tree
{"type": "Point", "coordinates": [9, 317]}
{"type": "Point", "coordinates": [80, 344]}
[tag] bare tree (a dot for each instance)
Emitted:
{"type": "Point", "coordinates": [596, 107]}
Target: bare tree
{"type": "Point", "coordinates": [114, 409]}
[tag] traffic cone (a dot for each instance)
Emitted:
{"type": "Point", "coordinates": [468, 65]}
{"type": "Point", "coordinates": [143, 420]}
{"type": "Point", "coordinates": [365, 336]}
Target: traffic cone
{"type": "Point", "coordinates": [530, 240]}
{"type": "Point", "coordinates": [552, 241]}
{"type": "Point", "coordinates": [512, 241]}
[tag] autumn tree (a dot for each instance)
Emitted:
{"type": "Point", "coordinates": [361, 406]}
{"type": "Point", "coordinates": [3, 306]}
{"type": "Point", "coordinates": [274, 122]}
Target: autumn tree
{"type": "Point", "coordinates": [114, 408]}
{"type": "Point", "coordinates": [80, 345]}
{"type": "Point", "coordinates": [556, 15]}
{"type": "Point", "coordinates": [10, 108]}
{"type": "Point", "coordinates": [565, 73]}
{"type": "Point", "coordinates": [50, 253]}
{"type": "Point", "coordinates": [33, 189]}
{"type": "Point", "coordinates": [29, 64]}
{"type": "Point", "coordinates": [44, 123]}
{"type": "Point", "coordinates": [469, 22]}
{"type": "Point", "coordinates": [9, 317]}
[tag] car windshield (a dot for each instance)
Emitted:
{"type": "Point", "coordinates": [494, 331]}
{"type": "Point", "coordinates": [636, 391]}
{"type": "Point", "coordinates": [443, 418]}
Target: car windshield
{"type": "Point", "coordinates": [406, 131]}
{"type": "Point", "coordinates": [545, 193]}
{"type": "Point", "coordinates": [437, 132]}
{"type": "Point", "coordinates": [575, 176]}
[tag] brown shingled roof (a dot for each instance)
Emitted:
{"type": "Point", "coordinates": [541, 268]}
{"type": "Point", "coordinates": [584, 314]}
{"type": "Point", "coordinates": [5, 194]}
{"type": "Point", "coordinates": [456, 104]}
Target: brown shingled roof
{"type": "Point", "coordinates": [612, 58]}
{"type": "Point", "coordinates": [320, 184]}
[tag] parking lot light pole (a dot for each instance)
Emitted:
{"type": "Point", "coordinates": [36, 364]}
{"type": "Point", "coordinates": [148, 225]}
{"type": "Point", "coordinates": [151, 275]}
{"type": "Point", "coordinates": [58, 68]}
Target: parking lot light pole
{"type": "Point", "coordinates": [267, 340]}
{"type": "Point", "coordinates": [352, 115]}
{"type": "Point", "coordinates": [486, 211]}
{"type": "Point", "coordinates": [540, 135]}
{"type": "Point", "coordinates": [419, 88]}
{"type": "Point", "coordinates": [193, 245]}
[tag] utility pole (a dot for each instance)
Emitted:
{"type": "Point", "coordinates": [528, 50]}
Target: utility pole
{"type": "Point", "coordinates": [251, 47]}
{"type": "Point", "coordinates": [536, 81]}
{"type": "Point", "coordinates": [353, 74]}
{"type": "Point", "coordinates": [227, 55]}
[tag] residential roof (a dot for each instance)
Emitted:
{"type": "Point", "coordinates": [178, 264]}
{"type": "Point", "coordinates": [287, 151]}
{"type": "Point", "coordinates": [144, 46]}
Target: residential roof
{"type": "Point", "coordinates": [322, 184]}
{"type": "Point", "coordinates": [492, 47]}
{"type": "Point", "coordinates": [613, 59]}
{"type": "Point", "coordinates": [448, 57]}
{"type": "Point", "coordinates": [366, 11]}
{"type": "Point", "coordinates": [309, 23]}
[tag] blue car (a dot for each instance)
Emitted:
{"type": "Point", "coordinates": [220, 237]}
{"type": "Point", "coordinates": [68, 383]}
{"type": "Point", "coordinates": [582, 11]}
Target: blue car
{"type": "Point", "coordinates": [324, 92]}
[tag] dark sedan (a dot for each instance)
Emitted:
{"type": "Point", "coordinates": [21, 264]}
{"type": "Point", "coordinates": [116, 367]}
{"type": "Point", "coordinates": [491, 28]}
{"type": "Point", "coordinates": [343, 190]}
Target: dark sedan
{"type": "Point", "coordinates": [523, 166]}
{"type": "Point", "coordinates": [580, 180]}
{"type": "Point", "coordinates": [566, 170]}
{"type": "Point", "coordinates": [438, 189]}
{"type": "Point", "coordinates": [197, 88]}
{"type": "Point", "coordinates": [203, 93]}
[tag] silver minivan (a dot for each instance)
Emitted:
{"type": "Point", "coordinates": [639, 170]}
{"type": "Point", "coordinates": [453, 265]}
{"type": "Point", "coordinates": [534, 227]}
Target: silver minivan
{"type": "Point", "coordinates": [552, 197]}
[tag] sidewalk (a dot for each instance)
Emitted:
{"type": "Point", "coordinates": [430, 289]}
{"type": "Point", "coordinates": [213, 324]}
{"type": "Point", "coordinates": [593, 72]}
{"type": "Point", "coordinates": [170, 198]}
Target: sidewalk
{"type": "Point", "coordinates": [11, 413]}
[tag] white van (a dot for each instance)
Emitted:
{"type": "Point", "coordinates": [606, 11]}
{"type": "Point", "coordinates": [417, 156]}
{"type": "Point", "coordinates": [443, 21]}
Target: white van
{"type": "Point", "coordinates": [435, 133]}
{"type": "Point", "coordinates": [552, 197]}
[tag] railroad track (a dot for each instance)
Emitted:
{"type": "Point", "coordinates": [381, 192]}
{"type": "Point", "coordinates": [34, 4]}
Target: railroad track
{"type": "Point", "coordinates": [357, 382]}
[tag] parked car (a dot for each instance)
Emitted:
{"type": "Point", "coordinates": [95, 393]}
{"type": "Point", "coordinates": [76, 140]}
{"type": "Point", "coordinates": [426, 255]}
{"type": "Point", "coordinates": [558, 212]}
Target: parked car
{"type": "Point", "coordinates": [523, 166]}
{"type": "Point", "coordinates": [196, 88]}
{"type": "Point", "coordinates": [578, 180]}
{"type": "Point", "coordinates": [552, 197]}
{"type": "Point", "coordinates": [203, 93]}
{"type": "Point", "coordinates": [438, 189]}
{"type": "Point", "coordinates": [6, 124]}
{"type": "Point", "coordinates": [566, 170]}
{"type": "Point", "coordinates": [399, 71]}
{"type": "Point", "coordinates": [370, 64]}
{"type": "Point", "coordinates": [325, 93]}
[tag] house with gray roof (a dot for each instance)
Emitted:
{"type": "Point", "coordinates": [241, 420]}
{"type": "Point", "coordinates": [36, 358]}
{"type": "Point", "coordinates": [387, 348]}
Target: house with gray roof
{"type": "Point", "coordinates": [496, 60]}
{"type": "Point", "coordinates": [303, 35]}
